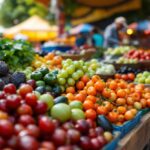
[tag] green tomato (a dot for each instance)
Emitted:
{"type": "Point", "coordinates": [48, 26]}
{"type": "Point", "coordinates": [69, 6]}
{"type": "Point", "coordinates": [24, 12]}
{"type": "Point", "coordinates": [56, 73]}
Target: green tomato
{"type": "Point", "coordinates": [75, 76]}
{"type": "Point", "coordinates": [80, 73]}
{"type": "Point", "coordinates": [61, 111]}
{"type": "Point", "coordinates": [146, 74]}
{"type": "Point", "coordinates": [63, 74]}
{"type": "Point", "coordinates": [147, 81]}
{"type": "Point", "coordinates": [139, 75]}
{"type": "Point", "coordinates": [70, 70]}
{"type": "Point", "coordinates": [47, 98]}
{"type": "Point", "coordinates": [40, 83]}
{"type": "Point", "coordinates": [61, 81]}
{"type": "Point", "coordinates": [141, 80]}
{"type": "Point", "coordinates": [76, 104]}
{"type": "Point", "coordinates": [85, 68]}
{"type": "Point", "coordinates": [69, 61]}
{"type": "Point", "coordinates": [71, 82]}
{"type": "Point", "coordinates": [77, 114]}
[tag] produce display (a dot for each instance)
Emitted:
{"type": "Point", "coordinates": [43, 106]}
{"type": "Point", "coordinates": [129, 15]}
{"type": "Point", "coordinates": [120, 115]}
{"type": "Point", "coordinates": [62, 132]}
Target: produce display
{"type": "Point", "coordinates": [143, 78]}
{"type": "Point", "coordinates": [126, 70]}
{"type": "Point", "coordinates": [106, 69]}
{"type": "Point", "coordinates": [124, 60]}
{"type": "Point", "coordinates": [140, 55]}
{"type": "Point", "coordinates": [50, 60]}
{"type": "Point", "coordinates": [47, 103]}
{"type": "Point", "coordinates": [126, 77]}
{"type": "Point", "coordinates": [118, 50]}
{"type": "Point", "coordinates": [29, 123]}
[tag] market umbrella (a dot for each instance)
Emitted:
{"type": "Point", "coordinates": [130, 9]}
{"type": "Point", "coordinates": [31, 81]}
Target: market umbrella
{"type": "Point", "coordinates": [83, 28]}
{"type": "Point", "coordinates": [35, 28]}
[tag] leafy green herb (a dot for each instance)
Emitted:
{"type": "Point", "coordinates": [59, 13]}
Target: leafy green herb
{"type": "Point", "coordinates": [17, 54]}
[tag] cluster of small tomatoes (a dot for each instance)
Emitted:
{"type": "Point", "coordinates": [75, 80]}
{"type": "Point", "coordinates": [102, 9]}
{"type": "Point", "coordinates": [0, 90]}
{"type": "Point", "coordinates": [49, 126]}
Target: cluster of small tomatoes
{"type": "Point", "coordinates": [50, 60]}
{"type": "Point", "coordinates": [126, 77]}
{"type": "Point", "coordinates": [118, 100]}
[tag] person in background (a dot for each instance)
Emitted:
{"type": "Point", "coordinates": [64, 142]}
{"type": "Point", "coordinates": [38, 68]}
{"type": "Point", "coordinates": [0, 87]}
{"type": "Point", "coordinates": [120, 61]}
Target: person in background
{"type": "Point", "coordinates": [80, 40]}
{"type": "Point", "coordinates": [97, 38]}
{"type": "Point", "coordinates": [111, 34]}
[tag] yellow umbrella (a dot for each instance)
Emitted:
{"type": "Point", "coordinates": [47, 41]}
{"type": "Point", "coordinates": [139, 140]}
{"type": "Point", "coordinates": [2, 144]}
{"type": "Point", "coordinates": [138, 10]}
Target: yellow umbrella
{"type": "Point", "coordinates": [35, 28]}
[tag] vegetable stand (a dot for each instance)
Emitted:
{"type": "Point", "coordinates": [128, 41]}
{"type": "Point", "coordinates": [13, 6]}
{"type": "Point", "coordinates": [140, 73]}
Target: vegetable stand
{"type": "Point", "coordinates": [138, 138]}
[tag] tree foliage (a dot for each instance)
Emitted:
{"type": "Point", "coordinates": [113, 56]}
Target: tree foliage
{"type": "Point", "coordinates": [15, 11]}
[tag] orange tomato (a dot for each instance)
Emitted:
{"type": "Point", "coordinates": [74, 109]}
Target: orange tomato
{"type": "Point", "coordinates": [147, 95]}
{"type": "Point", "coordinates": [113, 96]}
{"type": "Point", "coordinates": [148, 102]}
{"type": "Point", "coordinates": [124, 77]}
{"type": "Point", "coordinates": [108, 105]}
{"type": "Point", "coordinates": [91, 98]}
{"type": "Point", "coordinates": [49, 56]}
{"type": "Point", "coordinates": [85, 79]}
{"type": "Point", "coordinates": [96, 106]}
{"type": "Point", "coordinates": [130, 101]}
{"type": "Point", "coordinates": [134, 111]}
{"type": "Point", "coordinates": [121, 101]}
{"type": "Point", "coordinates": [91, 91]}
{"type": "Point", "coordinates": [90, 83]}
{"type": "Point", "coordinates": [121, 93]}
{"type": "Point", "coordinates": [83, 92]}
{"type": "Point", "coordinates": [102, 110]}
{"type": "Point", "coordinates": [106, 93]}
{"type": "Point", "coordinates": [113, 117]}
{"type": "Point", "coordinates": [99, 86]}
{"type": "Point", "coordinates": [70, 89]}
{"type": "Point", "coordinates": [131, 76]}
{"type": "Point", "coordinates": [91, 114]}
{"type": "Point", "coordinates": [129, 115]}
{"type": "Point", "coordinates": [57, 60]}
{"type": "Point", "coordinates": [136, 96]}
{"type": "Point", "coordinates": [87, 104]}
{"type": "Point", "coordinates": [121, 109]}
{"type": "Point", "coordinates": [122, 84]}
{"type": "Point", "coordinates": [79, 97]}
{"type": "Point", "coordinates": [117, 76]}
{"type": "Point", "coordinates": [80, 85]}
{"type": "Point", "coordinates": [113, 85]}
{"type": "Point", "coordinates": [121, 118]}
{"type": "Point", "coordinates": [95, 78]}
{"type": "Point", "coordinates": [143, 102]}
{"type": "Point", "coordinates": [70, 96]}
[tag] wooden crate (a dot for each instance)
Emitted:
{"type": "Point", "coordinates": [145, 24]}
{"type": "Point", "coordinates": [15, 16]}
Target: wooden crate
{"type": "Point", "coordinates": [138, 137]}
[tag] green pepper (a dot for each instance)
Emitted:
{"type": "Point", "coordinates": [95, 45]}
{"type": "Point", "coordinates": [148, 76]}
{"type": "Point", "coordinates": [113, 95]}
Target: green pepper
{"type": "Point", "coordinates": [36, 75]}
{"type": "Point", "coordinates": [50, 79]}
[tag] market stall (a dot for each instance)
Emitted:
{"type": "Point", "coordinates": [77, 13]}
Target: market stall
{"type": "Point", "coordinates": [54, 102]}
{"type": "Point", "coordinates": [35, 28]}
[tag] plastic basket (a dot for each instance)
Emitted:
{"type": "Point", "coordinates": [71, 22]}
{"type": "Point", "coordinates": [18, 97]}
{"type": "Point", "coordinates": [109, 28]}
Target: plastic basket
{"type": "Point", "coordinates": [144, 111]}
{"type": "Point", "coordinates": [58, 48]}
{"type": "Point", "coordinates": [114, 143]}
{"type": "Point", "coordinates": [129, 125]}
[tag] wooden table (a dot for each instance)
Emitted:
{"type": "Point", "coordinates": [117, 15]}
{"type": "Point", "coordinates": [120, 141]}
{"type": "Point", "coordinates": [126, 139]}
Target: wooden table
{"type": "Point", "coordinates": [137, 138]}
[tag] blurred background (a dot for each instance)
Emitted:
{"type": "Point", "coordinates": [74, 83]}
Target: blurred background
{"type": "Point", "coordinates": [54, 20]}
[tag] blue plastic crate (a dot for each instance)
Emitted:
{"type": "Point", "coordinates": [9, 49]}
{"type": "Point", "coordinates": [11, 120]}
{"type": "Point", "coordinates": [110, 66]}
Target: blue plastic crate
{"type": "Point", "coordinates": [114, 143]}
{"type": "Point", "coordinates": [145, 111]}
{"type": "Point", "coordinates": [129, 125]}
{"type": "Point", "coordinates": [58, 48]}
